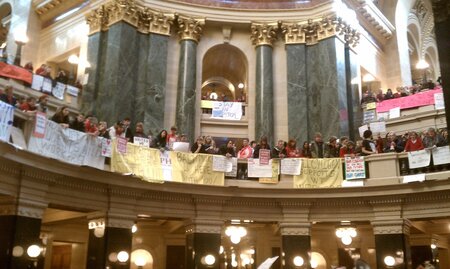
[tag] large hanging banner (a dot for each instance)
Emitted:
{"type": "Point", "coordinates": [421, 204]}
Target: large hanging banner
{"type": "Point", "coordinates": [15, 72]}
{"type": "Point", "coordinates": [6, 120]}
{"type": "Point", "coordinates": [415, 100]}
{"type": "Point", "coordinates": [420, 158]}
{"type": "Point", "coordinates": [195, 169]}
{"type": "Point", "coordinates": [69, 146]}
{"type": "Point", "coordinates": [143, 162]}
{"type": "Point", "coordinates": [320, 173]}
{"type": "Point", "coordinates": [226, 110]}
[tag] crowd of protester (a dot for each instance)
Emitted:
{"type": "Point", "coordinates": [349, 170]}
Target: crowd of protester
{"type": "Point", "coordinates": [369, 96]}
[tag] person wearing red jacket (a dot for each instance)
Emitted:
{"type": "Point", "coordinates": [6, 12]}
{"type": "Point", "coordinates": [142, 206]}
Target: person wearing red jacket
{"type": "Point", "coordinates": [414, 143]}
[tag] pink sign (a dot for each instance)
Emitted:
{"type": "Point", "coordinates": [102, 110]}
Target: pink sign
{"type": "Point", "coordinates": [122, 145]}
{"type": "Point", "coordinates": [40, 123]}
{"type": "Point", "coordinates": [416, 100]}
{"type": "Point", "coordinates": [264, 156]}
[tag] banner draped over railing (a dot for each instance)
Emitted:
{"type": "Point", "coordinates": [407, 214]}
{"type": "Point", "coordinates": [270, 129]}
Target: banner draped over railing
{"type": "Point", "coordinates": [195, 168]}
{"type": "Point", "coordinates": [143, 162]}
{"type": "Point", "coordinates": [320, 173]}
{"type": "Point", "coordinates": [415, 100]}
{"type": "Point", "coordinates": [15, 72]}
{"type": "Point", "coordinates": [68, 145]}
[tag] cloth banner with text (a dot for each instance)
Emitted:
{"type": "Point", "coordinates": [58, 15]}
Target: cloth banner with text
{"type": "Point", "coordinates": [320, 173]}
{"type": "Point", "coordinates": [69, 146]}
{"type": "Point", "coordinates": [6, 120]}
{"type": "Point", "coordinates": [141, 161]}
{"type": "Point", "coordinates": [15, 72]}
{"type": "Point", "coordinates": [441, 155]}
{"type": "Point", "coordinates": [195, 169]}
{"type": "Point", "coordinates": [416, 100]}
{"type": "Point", "coordinates": [227, 110]}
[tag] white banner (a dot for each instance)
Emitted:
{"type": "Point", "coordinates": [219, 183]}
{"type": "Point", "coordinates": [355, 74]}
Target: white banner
{"type": "Point", "coordinates": [227, 110]}
{"type": "Point", "coordinates": [439, 101]}
{"type": "Point", "coordinates": [441, 155]}
{"type": "Point", "coordinates": [257, 170]}
{"type": "Point", "coordinates": [69, 146]}
{"type": "Point", "coordinates": [419, 158]}
{"type": "Point", "coordinates": [291, 166]}
{"type": "Point", "coordinates": [141, 141]}
{"type": "Point", "coordinates": [166, 164]}
{"type": "Point", "coordinates": [58, 90]}
{"type": "Point", "coordinates": [37, 82]}
{"type": "Point", "coordinates": [6, 120]}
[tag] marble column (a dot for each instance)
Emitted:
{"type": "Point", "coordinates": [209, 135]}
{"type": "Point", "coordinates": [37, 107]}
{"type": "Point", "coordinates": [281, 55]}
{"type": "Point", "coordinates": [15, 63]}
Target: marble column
{"type": "Point", "coordinates": [190, 32]}
{"type": "Point", "coordinates": [118, 77]}
{"type": "Point", "coordinates": [203, 238]}
{"type": "Point", "coordinates": [106, 242]}
{"type": "Point", "coordinates": [327, 92]}
{"type": "Point", "coordinates": [263, 36]}
{"type": "Point", "coordinates": [392, 239]}
{"type": "Point", "coordinates": [296, 242]}
{"type": "Point", "coordinates": [151, 81]}
{"type": "Point", "coordinates": [355, 113]}
{"type": "Point", "coordinates": [297, 93]}
{"type": "Point", "coordinates": [441, 11]}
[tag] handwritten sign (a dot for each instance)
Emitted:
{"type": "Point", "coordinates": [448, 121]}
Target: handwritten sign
{"type": "Point", "coordinates": [264, 156]}
{"type": "Point", "coordinates": [37, 82]}
{"type": "Point", "coordinates": [420, 158]}
{"type": "Point", "coordinates": [122, 145]}
{"type": "Point", "coordinates": [355, 168]}
{"type": "Point", "coordinates": [40, 122]}
{"type": "Point", "coordinates": [378, 127]}
{"type": "Point", "coordinates": [290, 166]}
{"type": "Point", "coordinates": [369, 116]}
{"type": "Point", "coordinates": [219, 164]}
{"type": "Point", "coordinates": [226, 110]}
{"type": "Point", "coordinates": [141, 141]}
{"type": "Point", "coordinates": [233, 163]}
{"type": "Point", "coordinates": [362, 129]}
{"type": "Point", "coordinates": [255, 169]}
{"type": "Point", "coordinates": [166, 164]}
{"type": "Point", "coordinates": [106, 147]}
{"type": "Point", "coordinates": [6, 120]}
{"type": "Point", "coordinates": [58, 90]}
{"type": "Point", "coordinates": [394, 113]}
{"type": "Point", "coordinates": [383, 116]}
{"type": "Point", "coordinates": [72, 90]}
{"type": "Point", "coordinates": [47, 85]}
{"type": "Point", "coordinates": [372, 105]}
{"type": "Point", "coordinates": [439, 100]}
{"type": "Point", "coordinates": [441, 155]}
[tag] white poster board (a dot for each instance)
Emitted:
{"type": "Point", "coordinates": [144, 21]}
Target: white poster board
{"type": "Point", "coordinates": [181, 146]}
{"type": "Point", "coordinates": [226, 110]}
{"type": "Point", "coordinates": [6, 120]}
{"type": "Point", "coordinates": [414, 178]}
{"type": "Point", "coordinates": [362, 129]}
{"type": "Point", "coordinates": [18, 138]}
{"type": "Point", "coordinates": [106, 147]}
{"type": "Point", "coordinates": [47, 85]}
{"type": "Point", "coordinates": [394, 113]}
{"type": "Point", "coordinates": [141, 141]}
{"type": "Point", "coordinates": [166, 164]}
{"type": "Point", "coordinates": [37, 82]}
{"type": "Point", "coordinates": [58, 90]}
{"type": "Point", "coordinates": [257, 170]}
{"type": "Point", "coordinates": [222, 163]}
{"type": "Point", "coordinates": [439, 100]}
{"type": "Point", "coordinates": [378, 127]}
{"type": "Point", "coordinates": [72, 90]}
{"type": "Point", "coordinates": [441, 155]}
{"type": "Point", "coordinates": [420, 158]}
{"type": "Point", "coordinates": [355, 168]}
{"type": "Point", "coordinates": [233, 171]}
{"type": "Point", "coordinates": [291, 166]}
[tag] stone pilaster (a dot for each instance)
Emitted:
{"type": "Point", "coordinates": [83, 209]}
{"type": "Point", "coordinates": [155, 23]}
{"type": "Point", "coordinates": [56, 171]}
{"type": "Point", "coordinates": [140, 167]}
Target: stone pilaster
{"type": "Point", "coordinates": [203, 237]}
{"type": "Point", "coordinates": [190, 32]}
{"type": "Point", "coordinates": [263, 36]}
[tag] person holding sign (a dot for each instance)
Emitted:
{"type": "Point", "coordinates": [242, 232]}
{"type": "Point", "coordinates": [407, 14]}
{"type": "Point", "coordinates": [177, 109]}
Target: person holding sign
{"type": "Point", "coordinates": [414, 142]}
{"type": "Point", "coordinates": [263, 144]}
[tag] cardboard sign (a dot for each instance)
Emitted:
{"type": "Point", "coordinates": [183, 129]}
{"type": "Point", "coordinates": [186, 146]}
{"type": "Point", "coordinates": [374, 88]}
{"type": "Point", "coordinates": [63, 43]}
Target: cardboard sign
{"type": "Point", "coordinates": [264, 156]}
{"type": "Point", "coordinates": [439, 100]}
{"type": "Point", "coordinates": [181, 146]}
{"type": "Point", "coordinates": [141, 141]}
{"type": "Point", "coordinates": [291, 166]}
{"type": "Point", "coordinates": [418, 159]}
{"type": "Point", "coordinates": [40, 124]}
{"type": "Point", "coordinates": [355, 168]}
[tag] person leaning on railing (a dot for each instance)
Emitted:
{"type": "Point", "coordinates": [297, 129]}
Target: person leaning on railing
{"type": "Point", "coordinates": [433, 139]}
{"type": "Point", "coordinates": [414, 142]}
{"type": "Point", "coordinates": [62, 117]}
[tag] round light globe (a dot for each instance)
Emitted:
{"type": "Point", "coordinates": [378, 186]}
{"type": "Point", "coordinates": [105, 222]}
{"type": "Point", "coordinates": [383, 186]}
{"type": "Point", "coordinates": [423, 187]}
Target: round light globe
{"type": "Point", "coordinates": [346, 240]}
{"type": "Point", "coordinates": [389, 261]}
{"type": "Point", "coordinates": [134, 228]}
{"type": "Point", "coordinates": [235, 239]}
{"type": "Point", "coordinates": [123, 256]}
{"type": "Point", "coordinates": [298, 261]}
{"type": "Point", "coordinates": [433, 246]}
{"type": "Point", "coordinates": [140, 261]}
{"type": "Point", "coordinates": [314, 264]}
{"type": "Point", "coordinates": [210, 259]}
{"type": "Point", "coordinates": [33, 251]}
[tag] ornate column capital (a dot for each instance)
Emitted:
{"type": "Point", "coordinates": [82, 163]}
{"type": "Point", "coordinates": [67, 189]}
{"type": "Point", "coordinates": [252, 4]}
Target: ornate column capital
{"type": "Point", "coordinates": [97, 20]}
{"type": "Point", "coordinates": [396, 226]}
{"type": "Point", "coordinates": [311, 31]}
{"type": "Point", "coordinates": [122, 10]}
{"type": "Point", "coordinates": [190, 28]}
{"type": "Point", "coordinates": [295, 228]}
{"type": "Point", "coordinates": [154, 21]}
{"type": "Point", "coordinates": [263, 33]}
{"type": "Point", "coordinates": [203, 226]}
{"type": "Point", "coordinates": [111, 219]}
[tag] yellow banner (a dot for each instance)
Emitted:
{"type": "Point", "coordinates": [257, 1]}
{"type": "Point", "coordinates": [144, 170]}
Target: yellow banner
{"type": "Point", "coordinates": [275, 173]}
{"type": "Point", "coordinates": [195, 168]}
{"type": "Point", "coordinates": [320, 173]}
{"type": "Point", "coordinates": [140, 161]}
{"type": "Point", "coordinates": [372, 105]}
{"type": "Point", "coordinates": [206, 104]}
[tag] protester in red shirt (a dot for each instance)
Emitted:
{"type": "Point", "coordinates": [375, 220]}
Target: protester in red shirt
{"type": "Point", "coordinates": [172, 137]}
{"type": "Point", "coordinates": [291, 149]}
{"type": "Point", "coordinates": [29, 105]}
{"type": "Point", "coordinates": [91, 126]}
{"type": "Point", "coordinates": [414, 142]}
{"type": "Point", "coordinates": [246, 151]}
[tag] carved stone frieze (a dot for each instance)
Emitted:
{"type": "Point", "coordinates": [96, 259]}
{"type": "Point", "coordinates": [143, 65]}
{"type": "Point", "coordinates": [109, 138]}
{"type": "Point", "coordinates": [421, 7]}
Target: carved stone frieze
{"type": "Point", "coordinates": [397, 226]}
{"type": "Point", "coordinates": [190, 28]}
{"type": "Point", "coordinates": [204, 226]}
{"type": "Point", "coordinates": [264, 33]}
{"type": "Point", "coordinates": [310, 32]}
{"type": "Point", "coordinates": [295, 228]}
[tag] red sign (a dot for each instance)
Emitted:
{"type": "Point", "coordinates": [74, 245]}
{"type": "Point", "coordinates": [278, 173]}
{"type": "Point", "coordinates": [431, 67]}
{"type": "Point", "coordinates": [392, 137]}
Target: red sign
{"type": "Point", "coordinates": [15, 72]}
{"type": "Point", "coordinates": [264, 156]}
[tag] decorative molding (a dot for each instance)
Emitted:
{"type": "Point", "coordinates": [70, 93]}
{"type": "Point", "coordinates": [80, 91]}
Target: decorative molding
{"type": "Point", "coordinates": [398, 226]}
{"type": "Point", "coordinates": [310, 32]}
{"type": "Point", "coordinates": [263, 33]}
{"type": "Point", "coordinates": [144, 19]}
{"type": "Point", "coordinates": [190, 28]}
{"type": "Point", "coordinates": [204, 226]}
{"type": "Point", "coordinates": [291, 228]}
{"type": "Point", "coordinates": [47, 6]}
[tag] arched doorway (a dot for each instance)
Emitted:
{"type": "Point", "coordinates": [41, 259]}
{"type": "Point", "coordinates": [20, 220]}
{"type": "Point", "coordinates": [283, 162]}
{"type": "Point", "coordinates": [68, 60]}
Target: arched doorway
{"type": "Point", "coordinates": [224, 74]}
